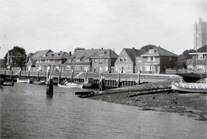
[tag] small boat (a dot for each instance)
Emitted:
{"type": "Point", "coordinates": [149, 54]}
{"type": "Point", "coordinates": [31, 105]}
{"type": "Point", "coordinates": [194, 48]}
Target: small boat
{"type": "Point", "coordinates": [71, 85]}
{"type": "Point", "coordinates": [39, 82]}
{"type": "Point", "coordinates": [23, 80]}
{"type": "Point", "coordinates": [90, 85]}
{"type": "Point", "coordinates": [8, 83]}
{"type": "Point", "coordinates": [190, 87]}
{"type": "Point", "coordinates": [84, 94]}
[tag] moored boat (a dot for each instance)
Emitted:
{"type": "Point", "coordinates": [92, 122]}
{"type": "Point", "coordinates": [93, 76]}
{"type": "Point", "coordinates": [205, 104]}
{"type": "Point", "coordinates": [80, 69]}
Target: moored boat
{"type": "Point", "coordinates": [190, 87]}
{"type": "Point", "coordinates": [23, 80]}
{"type": "Point", "coordinates": [84, 94]}
{"type": "Point", "coordinates": [71, 85]}
{"type": "Point", "coordinates": [39, 82]}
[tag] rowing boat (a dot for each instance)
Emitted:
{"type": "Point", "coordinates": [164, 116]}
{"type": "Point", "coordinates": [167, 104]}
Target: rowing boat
{"type": "Point", "coordinates": [190, 87]}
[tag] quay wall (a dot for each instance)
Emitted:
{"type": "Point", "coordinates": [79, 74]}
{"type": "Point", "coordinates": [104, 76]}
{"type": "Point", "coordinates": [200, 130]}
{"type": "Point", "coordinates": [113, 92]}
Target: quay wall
{"type": "Point", "coordinates": [111, 79]}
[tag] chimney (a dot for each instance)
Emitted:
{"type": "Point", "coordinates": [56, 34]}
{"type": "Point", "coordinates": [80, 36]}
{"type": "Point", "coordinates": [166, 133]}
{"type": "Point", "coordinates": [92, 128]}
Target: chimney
{"type": "Point", "coordinates": [70, 53]}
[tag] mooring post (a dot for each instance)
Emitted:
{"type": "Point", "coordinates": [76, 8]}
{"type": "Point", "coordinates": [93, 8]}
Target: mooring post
{"type": "Point", "coordinates": [138, 77]}
{"type": "Point", "coordinates": [118, 80]}
{"type": "Point", "coordinates": [102, 83]}
{"type": "Point", "coordinates": [72, 72]}
{"type": "Point", "coordinates": [29, 74]}
{"type": "Point", "coordinates": [38, 76]}
{"type": "Point", "coordinates": [12, 78]}
{"type": "Point", "coordinates": [49, 90]}
{"type": "Point", "coordinates": [59, 77]}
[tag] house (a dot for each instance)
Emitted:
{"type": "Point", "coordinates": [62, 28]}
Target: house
{"type": "Point", "coordinates": [15, 60]}
{"type": "Point", "coordinates": [52, 61]}
{"type": "Point", "coordinates": [155, 60]}
{"type": "Point", "coordinates": [125, 63]}
{"type": "Point", "coordinates": [103, 61]}
{"type": "Point", "coordinates": [198, 61]}
{"type": "Point", "coordinates": [32, 59]}
{"type": "Point", "coordinates": [2, 64]}
{"type": "Point", "coordinates": [92, 60]}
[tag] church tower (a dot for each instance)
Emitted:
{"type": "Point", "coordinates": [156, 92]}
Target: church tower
{"type": "Point", "coordinates": [200, 34]}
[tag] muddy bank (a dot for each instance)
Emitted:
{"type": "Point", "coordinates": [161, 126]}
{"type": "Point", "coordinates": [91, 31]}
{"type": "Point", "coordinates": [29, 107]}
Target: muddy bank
{"type": "Point", "coordinates": [192, 105]}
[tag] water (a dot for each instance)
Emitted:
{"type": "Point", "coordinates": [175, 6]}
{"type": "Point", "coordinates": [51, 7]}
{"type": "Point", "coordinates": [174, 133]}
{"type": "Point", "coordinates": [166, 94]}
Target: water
{"type": "Point", "coordinates": [26, 112]}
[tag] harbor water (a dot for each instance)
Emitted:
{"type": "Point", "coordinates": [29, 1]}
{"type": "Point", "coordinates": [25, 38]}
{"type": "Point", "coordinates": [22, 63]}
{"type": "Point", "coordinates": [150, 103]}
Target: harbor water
{"type": "Point", "coordinates": [26, 112]}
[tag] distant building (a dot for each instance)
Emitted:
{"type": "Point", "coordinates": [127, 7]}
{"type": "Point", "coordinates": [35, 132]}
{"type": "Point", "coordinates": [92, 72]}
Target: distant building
{"type": "Point", "coordinates": [198, 61]}
{"type": "Point", "coordinates": [156, 60]}
{"type": "Point", "coordinates": [2, 64]}
{"type": "Point", "coordinates": [200, 34]}
{"type": "Point", "coordinates": [126, 61]}
{"type": "Point", "coordinates": [52, 61]}
{"type": "Point", "coordinates": [92, 60]}
{"type": "Point", "coordinates": [32, 59]}
{"type": "Point", "coordinates": [15, 60]}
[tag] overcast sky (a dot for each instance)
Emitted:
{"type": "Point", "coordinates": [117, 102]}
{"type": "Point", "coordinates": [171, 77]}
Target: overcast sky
{"type": "Point", "coordinates": [67, 24]}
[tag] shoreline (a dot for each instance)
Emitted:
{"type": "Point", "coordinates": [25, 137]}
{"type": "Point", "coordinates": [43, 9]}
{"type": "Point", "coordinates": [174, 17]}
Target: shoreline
{"type": "Point", "coordinates": [193, 105]}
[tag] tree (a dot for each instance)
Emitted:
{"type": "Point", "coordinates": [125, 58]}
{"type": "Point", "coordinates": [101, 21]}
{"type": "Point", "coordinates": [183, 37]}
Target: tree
{"type": "Point", "coordinates": [147, 47]}
{"type": "Point", "coordinates": [79, 49]}
{"type": "Point", "coordinates": [16, 50]}
{"type": "Point", "coordinates": [182, 59]}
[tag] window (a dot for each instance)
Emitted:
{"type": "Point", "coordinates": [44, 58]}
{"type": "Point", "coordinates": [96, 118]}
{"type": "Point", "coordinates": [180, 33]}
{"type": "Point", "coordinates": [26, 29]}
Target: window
{"type": "Point", "coordinates": [77, 60]}
{"type": "Point", "coordinates": [125, 59]}
{"type": "Point", "coordinates": [96, 60]}
{"type": "Point", "coordinates": [68, 68]}
{"type": "Point", "coordinates": [148, 67]}
{"type": "Point", "coordinates": [200, 57]}
{"type": "Point", "coordinates": [121, 59]}
{"type": "Point", "coordinates": [86, 60]}
{"type": "Point", "coordinates": [150, 58]}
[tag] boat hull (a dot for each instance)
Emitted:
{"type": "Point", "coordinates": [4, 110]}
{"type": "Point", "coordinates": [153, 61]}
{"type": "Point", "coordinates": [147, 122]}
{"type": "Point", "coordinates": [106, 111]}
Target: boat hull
{"type": "Point", "coordinates": [71, 85]}
{"type": "Point", "coordinates": [190, 87]}
{"type": "Point", "coordinates": [23, 80]}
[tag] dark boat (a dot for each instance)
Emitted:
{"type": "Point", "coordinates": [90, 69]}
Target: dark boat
{"type": "Point", "coordinates": [84, 94]}
{"type": "Point", "coordinates": [89, 83]}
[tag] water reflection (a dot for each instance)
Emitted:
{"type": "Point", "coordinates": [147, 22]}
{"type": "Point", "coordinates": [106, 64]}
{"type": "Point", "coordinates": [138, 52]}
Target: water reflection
{"type": "Point", "coordinates": [27, 112]}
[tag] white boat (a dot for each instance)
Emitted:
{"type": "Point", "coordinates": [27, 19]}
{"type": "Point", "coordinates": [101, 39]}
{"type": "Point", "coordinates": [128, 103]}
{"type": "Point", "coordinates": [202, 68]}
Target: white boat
{"type": "Point", "coordinates": [23, 80]}
{"type": "Point", "coordinates": [71, 85]}
{"type": "Point", "coordinates": [190, 87]}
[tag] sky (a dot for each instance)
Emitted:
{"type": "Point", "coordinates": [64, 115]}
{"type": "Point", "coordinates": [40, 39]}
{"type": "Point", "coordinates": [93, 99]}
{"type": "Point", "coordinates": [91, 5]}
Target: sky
{"type": "Point", "coordinates": [63, 25]}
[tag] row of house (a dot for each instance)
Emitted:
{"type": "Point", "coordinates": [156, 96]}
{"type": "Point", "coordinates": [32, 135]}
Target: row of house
{"type": "Point", "coordinates": [130, 60]}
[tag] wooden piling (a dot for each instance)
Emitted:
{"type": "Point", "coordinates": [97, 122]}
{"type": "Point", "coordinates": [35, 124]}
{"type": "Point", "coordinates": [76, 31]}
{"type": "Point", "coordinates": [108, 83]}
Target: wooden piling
{"type": "Point", "coordinates": [59, 77]}
{"type": "Point", "coordinates": [138, 77]}
{"type": "Point", "coordinates": [118, 80]}
{"type": "Point", "coordinates": [49, 90]}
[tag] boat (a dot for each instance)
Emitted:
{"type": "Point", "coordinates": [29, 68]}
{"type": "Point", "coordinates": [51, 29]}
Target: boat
{"type": "Point", "coordinates": [71, 85]}
{"type": "Point", "coordinates": [84, 94]}
{"type": "Point", "coordinates": [23, 80]}
{"type": "Point", "coordinates": [39, 82]}
{"type": "Point", "coordinates": [8, 83]}
{"type": "Point", "coordinates": [190, 87]}
{"type": "Point", "coordinates": [89, 83]}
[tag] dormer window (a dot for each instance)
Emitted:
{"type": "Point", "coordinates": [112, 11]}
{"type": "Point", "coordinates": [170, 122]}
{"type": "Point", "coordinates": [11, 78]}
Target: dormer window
{"type": "Point", "coordinates": [77, 60]}
{"type": "Point", "coordinates": [151, 51]}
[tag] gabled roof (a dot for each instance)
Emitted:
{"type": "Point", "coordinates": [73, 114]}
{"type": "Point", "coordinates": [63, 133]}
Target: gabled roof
{"type": "Point", "coordinates": [202, 49]}
{"type": "Point", "coordinates": [132, 53]}
{"type": "Point", "coordinates": [55, 55]}
{"type": "Point", "coordinates": [158, 51]}
{"type": "Point", "coordinates": [40, 53]}
{"type": "Point", "coordinates": [92, 53]}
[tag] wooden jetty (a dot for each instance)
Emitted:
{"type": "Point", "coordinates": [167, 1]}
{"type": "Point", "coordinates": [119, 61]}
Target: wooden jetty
{"type": "Point", "coordinates": [111, 80]}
